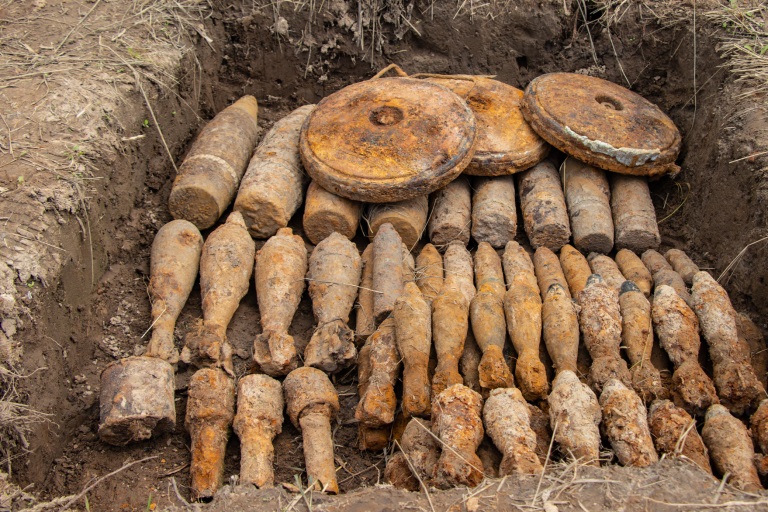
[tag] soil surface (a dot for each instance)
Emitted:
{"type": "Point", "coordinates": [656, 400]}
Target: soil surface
{"type": "Point", "coordinates": [85, 173]}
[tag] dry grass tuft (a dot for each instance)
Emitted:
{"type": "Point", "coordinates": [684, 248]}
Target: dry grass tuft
{"type": "Point", "coordinates": [16, 418]}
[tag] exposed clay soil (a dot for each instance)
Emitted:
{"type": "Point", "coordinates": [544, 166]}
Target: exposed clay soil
{"type": "Point", "coordinates": [286, 55]}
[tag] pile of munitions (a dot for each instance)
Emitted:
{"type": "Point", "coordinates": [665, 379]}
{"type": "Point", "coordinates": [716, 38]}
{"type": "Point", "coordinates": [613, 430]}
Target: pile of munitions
{"type": "Point", "coordinates": [438, 154]}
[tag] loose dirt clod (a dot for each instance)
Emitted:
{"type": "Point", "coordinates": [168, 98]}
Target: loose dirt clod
{"type": "Point", "coordinates": [677, 328]}
{"type": "Point", "coordinates": [147, 381]}
{"type": "Point", "coordinates": [637, 338]}
{"type": "Point", "coordinates": [626, 425]}
{"type": "Point", "coordinates": [663, 274]}
{"type": "Point", "coordinates": [600, 322]}
{"type": "Point", "coordinates": [273, 186]}
{"type": "Point", "coordinates": [632, 268]}
{"type": "Point", "coordinates": [388, 278]}
{"type": "Point", "coordinates": [457, 422]}
{"type": "Point", "coordinates": [210, 174]}
{"type": "Point", "coordinates": [210, 411]}
{"type": "Point", "coordinates": [258, 420]}
{"type": "Point", "coordinates": [325, 213]}
{"type": "Point", "coordinates": [226, 265]}
{"type": "Point", "coordinates": [451, 217]}
{"type": "Point", "coordinates": [409, 218]}
{"type": "Point", "coordinates": [280, 268]}
{"type": "Point", "coordinates": [369, 438]}
{"type": "Point", "coordinates": [674, 433]}
{"type": "Point", "coordinates": [606, 268]}
{"type": "Point", "coordinates": [751, 333]}
{"type": "Point", "coordinates": [560, 328]}
{"type": "Point", "coordinates": [548, 271]}
{"type": "Point", "coordinates": [574, 414]}
{"type": "Point", "coordinates": [588, 196]}
{"type": "Point", "coordinates": [545, 216]}
{"type": "Point", "coordinates": [413, 326]}
{"type": "Point", "coordinates": [730, 448]}
{"type": "Point", "coordinates": [364, 321]}
{"type": "Point", "coordinates": [429, 272]}
{"type": "Point", "coordinates": [522, 306]}
{"type": "Point", "coordinates": [633, 214]}
{"type": "Point", "coordinates": [312, 402]}
{"type": "Point", "coordinates": [507, 421]}
{"type": "Point", "coordinates": [682, 264]}
{"type": "Point", "coordinates": [334, 274]}
{"type": "Point", "coordinates": [377, 405]}
{"type": "Point", "coordinates": [487, 315]}
{"type": "Point", "coordinates": [737, 386]}
{"type": "Point", "coordinates": [575, 268]}
{"type": "Point", "coordinates": [494, 216]}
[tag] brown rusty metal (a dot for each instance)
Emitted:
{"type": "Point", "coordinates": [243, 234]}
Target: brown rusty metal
{"type": "Point", "coordinates": [602, 124]}
{"type": "Point", "coordinates": [388, 139]}
{"type": "Point", "coordinates": [136, 400]}
{"type": "Point", "coordinates": [506, 143]}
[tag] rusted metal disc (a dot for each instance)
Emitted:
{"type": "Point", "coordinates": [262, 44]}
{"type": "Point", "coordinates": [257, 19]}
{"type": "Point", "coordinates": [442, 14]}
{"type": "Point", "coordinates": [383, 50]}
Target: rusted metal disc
{"type": "Point", "coordinates": [388, 139]}
{"type": "Point", "coordinates": [506, 143]}
{"type": "Point", "coordinates": [602, 124]}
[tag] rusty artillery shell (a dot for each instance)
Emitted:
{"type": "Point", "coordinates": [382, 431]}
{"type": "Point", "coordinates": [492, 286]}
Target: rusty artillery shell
{"type": "Point", "coordinates": [588, 196]}
{"type": "Point", "coordinates": [664, 274]}
{"type": "Point", "coordinates": [600, 322]}
{"type": "Point", "coordinates": [507, 421]}
{"type": "Point", "coordinates": [174, 263]}
{"type": "Point", "coordinates": [312, 402]}
{"type": "Point", "coordinates": [451, 217]}
{"type": "Point", "coordinates": [210, 174]}
{"type": "Point", "coordinates": [388, 139]}
{"type": "Point", "coordinates": [632, 267]}
{"type": "Point", "coordinates": [388, 277]}
{"type": "Point", "coordinates": [607, 269]}
{"type": "Point", "coordinates": [210, 411]}
{"type": "Point", "coordinates": [136, 400]}
{"type": "Point", "coordinates": [259, 419]}
{"type": "Point", "coordinates": [682, 264]}
{"type": "Point", "coordinates": [637, 338]}
{"type": "Point", "coordinates": [575, 268]}
{"type": "Point", "coordinates": [325, 213]}
{"type": "Point", "coordinates": [730, 449]}
{"type": "Point", "coordinates": [674, 433]}
{"type": "Point", "coordinates": [494, 216]}
{"type": "Point", "coordinates": [633, 214]}
{"type": "Point", "coordinates": [429, 272]}
{"type": "Point", "coordinates": [677, 328]}
{"type": "Point", "coordinates": [737, 385]}
{"type": "Point", "coordinates": [409, 218]}
{"type": "Point", "coordinates": [625, 423]}
{"type": "Point", "coordinates": [273, 186]}
{"type": "Point", "coordinates": [545, 216]}
{"type": "Point", "coordinates": [457, 421]}
{"type": "Point", "coordinates": [574, 414]}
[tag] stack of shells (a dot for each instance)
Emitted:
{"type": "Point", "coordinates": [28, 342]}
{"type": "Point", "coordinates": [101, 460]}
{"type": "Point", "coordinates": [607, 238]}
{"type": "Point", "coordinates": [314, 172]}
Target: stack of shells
{"type": "Point", "coordinates": [436, 329]}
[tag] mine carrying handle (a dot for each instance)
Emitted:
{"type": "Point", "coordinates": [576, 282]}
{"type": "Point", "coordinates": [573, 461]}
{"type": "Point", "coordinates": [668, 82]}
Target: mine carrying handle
{"type": "Point", "coordinates": [399, 72]}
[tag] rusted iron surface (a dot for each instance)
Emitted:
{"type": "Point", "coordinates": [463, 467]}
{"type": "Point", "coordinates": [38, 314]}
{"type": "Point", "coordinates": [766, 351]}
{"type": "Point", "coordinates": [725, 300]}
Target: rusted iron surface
{"type": "Point", "coordinates": [602, 124]}
{"type": "Point", "coordinates": [388, 139]}
{"type": "Point", "coordinates": [506, 143]}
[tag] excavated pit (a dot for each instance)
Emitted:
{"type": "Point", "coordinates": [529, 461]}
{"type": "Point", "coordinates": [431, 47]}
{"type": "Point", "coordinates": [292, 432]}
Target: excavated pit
{"type": "Point", "coordinates": [293, 56]}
